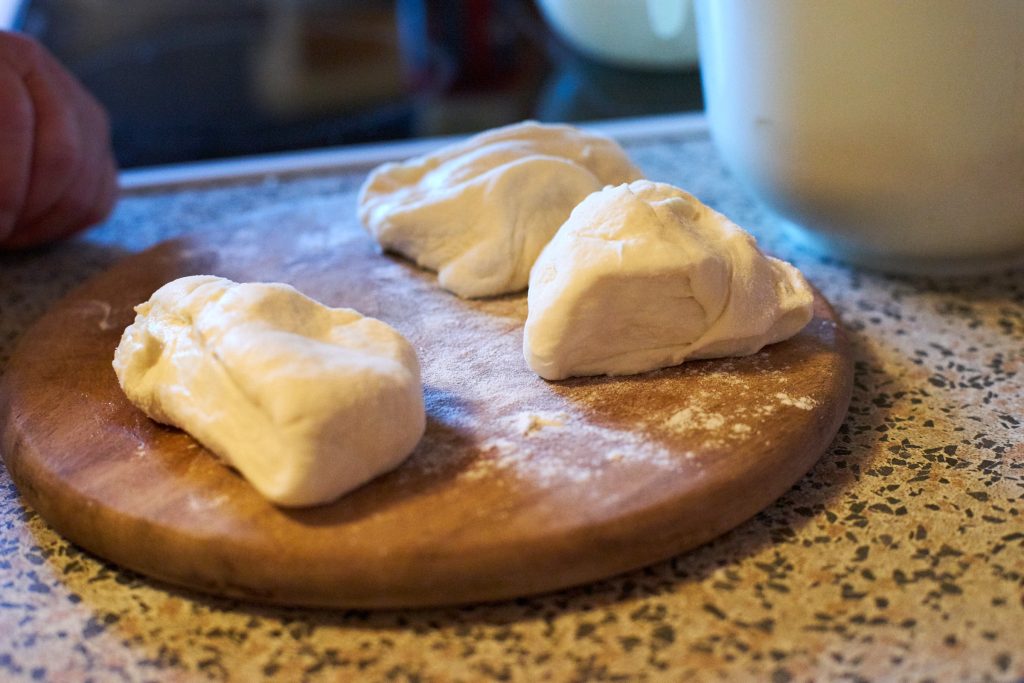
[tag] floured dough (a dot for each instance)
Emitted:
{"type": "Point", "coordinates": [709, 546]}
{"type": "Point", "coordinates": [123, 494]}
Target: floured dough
{"type": "Point", "coordinates": [644, 276]}
{"type": "Point", "coordinates": [307, 402]}
{"type": "Point", "coordinates": [480, 211]}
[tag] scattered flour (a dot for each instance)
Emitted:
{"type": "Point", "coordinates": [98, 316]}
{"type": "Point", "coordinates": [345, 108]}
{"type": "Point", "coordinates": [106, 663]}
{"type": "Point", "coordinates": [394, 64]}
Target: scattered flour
{"type": "Point", "coordinates": [200, 504]}
{"type": "Point", "coordinates": [711, 428]}
{"type": "Point", "coordinates": [515, 428]}
{"type": "Point", "coordinates": [527, 423]}
{"type": "Point", "coordinates": [103, 309]}
{"type": "Point", "coordinates": [729, 424]}
{"type": "Point", "coordinates": [543, 447]}
{"type": "Point", "coordinates": [801, 402]}
{"type": "Point", "coordinates": [324, 241]}
{"type": "Point", "coordinates": [694, 417]}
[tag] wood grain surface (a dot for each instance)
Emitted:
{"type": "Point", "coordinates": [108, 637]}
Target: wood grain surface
{"type": "Point", "coordinates": [519, 486]}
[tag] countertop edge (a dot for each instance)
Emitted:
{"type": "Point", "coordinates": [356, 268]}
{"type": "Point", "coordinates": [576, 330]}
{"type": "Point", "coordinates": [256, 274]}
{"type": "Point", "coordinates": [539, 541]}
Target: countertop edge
{"type": "Point", "coordinates": [174, 176]}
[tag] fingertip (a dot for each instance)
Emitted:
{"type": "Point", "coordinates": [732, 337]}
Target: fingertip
{"type": "Point", "coordinates": [105, 200]}
{"type": "Point", "coordinates": [59, 154]}
{"type": "Point", "coordinates": [65, 179]}
{"type": "Point", "coordinates": [110, 188]}
{"type": "Point", "coordinates": [19, 50]}
{"type": "Point", "coordinates": [17, 139]}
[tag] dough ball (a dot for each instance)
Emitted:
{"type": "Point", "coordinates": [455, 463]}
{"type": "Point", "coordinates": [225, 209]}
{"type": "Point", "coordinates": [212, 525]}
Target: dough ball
{"type": "Point", "coordinates": [644, 276]}
{"type": "Point", "coordinates": [480, 211]}
{"type": "Point", "coordinates": [307, 402]}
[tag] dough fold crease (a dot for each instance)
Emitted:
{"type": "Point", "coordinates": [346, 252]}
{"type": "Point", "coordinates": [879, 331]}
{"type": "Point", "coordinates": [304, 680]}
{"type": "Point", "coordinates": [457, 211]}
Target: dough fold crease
{"type": "Point", "coordinates": [307, 402]}
{"type": "Point", "coordinates": [644, 276]}
{"type": "Point", "coordinates": [480, 211]}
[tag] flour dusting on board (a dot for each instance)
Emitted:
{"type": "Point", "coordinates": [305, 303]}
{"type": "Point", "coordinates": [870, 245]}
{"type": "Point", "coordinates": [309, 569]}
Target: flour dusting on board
{"type": "Point", "coordinates": [695, 417]}
{"type": "Point", "coordinates": [705, 417]}
{"type": "Point", "coordinates": [322, 241]}
{"type": "Point", "coordinates": [490, 418]}
{"type": "Point", "coordinates": [707, 426]}
{"type": "Point", "coordinates": [526, 423]}
{"type": "Point", "coordinates": [801, 402]}
{"type": "Point", "coordinates": [101, 310]}
{"type": "Point", "coordinates": [532, 449]}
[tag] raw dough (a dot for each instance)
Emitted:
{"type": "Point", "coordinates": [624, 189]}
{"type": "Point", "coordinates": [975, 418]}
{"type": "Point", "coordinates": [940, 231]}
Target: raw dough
{"type": "Point", "coordinates": [307, 402]}
{"type": "Point", "coordinates": [480, 211]}
{"type": "Point", "coordinates": [644, 276]}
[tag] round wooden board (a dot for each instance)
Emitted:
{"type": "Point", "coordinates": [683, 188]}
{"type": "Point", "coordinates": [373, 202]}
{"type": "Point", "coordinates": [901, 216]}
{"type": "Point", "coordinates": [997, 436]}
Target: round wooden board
{"type": "Point", "coordinates": [519, 486]}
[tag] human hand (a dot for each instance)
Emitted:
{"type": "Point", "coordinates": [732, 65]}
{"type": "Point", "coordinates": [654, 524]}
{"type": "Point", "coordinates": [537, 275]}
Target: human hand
{"type": "Point", "coordinates": [57, 171]}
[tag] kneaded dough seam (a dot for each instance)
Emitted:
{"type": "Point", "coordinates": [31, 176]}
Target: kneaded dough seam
{"type": "Point", "coordinates": [728, 265]}
{"type": "Point", "coordinates": [229, 377]}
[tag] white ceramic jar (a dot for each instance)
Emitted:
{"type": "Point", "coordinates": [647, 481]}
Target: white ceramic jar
{"type": "Point", "coordinates": [645, 34]}
{"type": "Point", "coordinates": [888, 133]}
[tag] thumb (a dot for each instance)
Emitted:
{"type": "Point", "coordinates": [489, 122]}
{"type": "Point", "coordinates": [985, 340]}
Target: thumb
{"type": "Point", "coordinates": [16, 141]}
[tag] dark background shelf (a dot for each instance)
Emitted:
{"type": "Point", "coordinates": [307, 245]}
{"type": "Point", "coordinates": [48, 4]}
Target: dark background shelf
{"type": "Point", "coordinates": [188, 80]}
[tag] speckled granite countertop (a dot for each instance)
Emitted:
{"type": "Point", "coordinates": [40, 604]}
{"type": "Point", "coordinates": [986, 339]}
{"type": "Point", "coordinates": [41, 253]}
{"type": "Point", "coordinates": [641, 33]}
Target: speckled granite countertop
{"type": "Point", "coordinates": [900, 556]}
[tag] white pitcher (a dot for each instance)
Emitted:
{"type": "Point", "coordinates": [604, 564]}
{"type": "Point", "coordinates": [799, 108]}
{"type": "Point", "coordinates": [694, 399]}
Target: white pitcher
{"type": "Point", "coordinates": [888, 133]}
{"type": "Point", "coordinates": [651, 34]}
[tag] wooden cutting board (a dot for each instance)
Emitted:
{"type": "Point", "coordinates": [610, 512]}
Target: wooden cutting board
{"type": "Point", "coordinates": [519, 486]}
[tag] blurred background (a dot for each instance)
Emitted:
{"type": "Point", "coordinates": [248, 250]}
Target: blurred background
{"type": "Point", "coordinates": [188, 80]}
